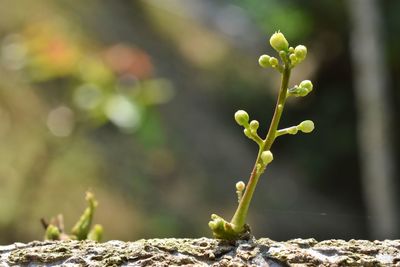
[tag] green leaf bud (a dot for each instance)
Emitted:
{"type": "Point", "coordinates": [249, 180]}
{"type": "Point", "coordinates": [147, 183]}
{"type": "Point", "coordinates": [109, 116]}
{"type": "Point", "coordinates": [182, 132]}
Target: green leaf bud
{"type": "Point", "coordinates": [254, 125]}
{"type": "Point", "coordinates": [267, 157]}
{"type": "Point", "coordinates": [291, 49]}
{"type": "Point", "coordinates": [52, 233]}
{"type": "Point", "coordinates": [241, 117]}
{"type": "Point", "coordinates": [96, 234]}
{"type": "Point", "coordinates": [306, 126]}
{"type": "Point", "coordinates": [264, 61]}
{"type": "Point", "coordinates": [273, 61]}
{"type": "Point", "coordinates": [279, 42]}
{"type": "Point", "coordinates": [240, 186]}
{"type": "Point", "coordinates": [307, 84]}
{"type": "Point", "coordinates": [300, 52]}
{"type": "Point", "coordinates": [216, 224]}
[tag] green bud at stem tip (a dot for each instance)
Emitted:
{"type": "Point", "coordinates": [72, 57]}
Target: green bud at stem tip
{"type": "Point", "coordinates": [293, 59]}
{"type": "Point", "coordinates": [306, 126]}
{"type": "Point", "coordinates": [307, 84]}
{"type": "Point", "coordinates": [52, 233]}
{"type": "Point", "coordinates": [96, 234]}
{"type": "Point", "coordinates": [279, 42]}
{"type": "Point", "coordinates": [241, 117]}
{"type": "Point", "coordinates": [240, 186]}
{"type": "Point", "coordinates": [273, 62]}
{"type": "Point", "coordinates": [254, 125]}
{"type": "Point", "coordinates": [263, 61]}
{"type": "Point", "coordinates": [300, 52]}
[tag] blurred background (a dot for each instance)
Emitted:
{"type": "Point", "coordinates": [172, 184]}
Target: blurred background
{"type": "Point", "coordinates": [135, 101]}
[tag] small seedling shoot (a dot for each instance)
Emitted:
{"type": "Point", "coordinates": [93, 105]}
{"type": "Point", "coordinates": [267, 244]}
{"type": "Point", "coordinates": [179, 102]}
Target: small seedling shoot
{"type": "Point", "coordinates": [290, 57]}
{"type": "Point", "coordinates": [82, 229]}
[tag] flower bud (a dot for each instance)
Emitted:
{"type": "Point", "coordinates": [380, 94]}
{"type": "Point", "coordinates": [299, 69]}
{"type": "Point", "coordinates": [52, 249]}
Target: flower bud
{"type": "Point", "coordinates": [306, 126]}
{"type": "Point", "coordinates": [307, 84]}
{"type": "Point", "coordinates": [298, 91]}
{"type": "Point", "coordinates": [279, 42]}
{"type": "Point", "coordinates": [240, 186]}
{"type": "Point", "coordinates": [301, 52]}
{"type": "Point", "coordinates": [263, 61]}
{"type": "Point", "coordinates": [241, 117]}
{"type": "Point", "coordinates": [267, 157]}
{"type": "Point", "coordinates": [254, 125]}
{"type": "Point", "coordinates": [247, 133]}
{"type": "Point", "coordinates": [273, 61]}
{"type": "Point", "coordinates": [293, 59]}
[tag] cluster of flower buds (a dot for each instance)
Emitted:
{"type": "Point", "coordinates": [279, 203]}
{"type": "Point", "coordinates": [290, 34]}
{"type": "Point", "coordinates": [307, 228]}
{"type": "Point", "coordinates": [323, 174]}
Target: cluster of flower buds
{"type": "Point", "coordinates": [297, 54]}
{"type": "Point", "coordinates": [290, 55]}
{"type": "Point", "coordinates": [266, 61]}
{"type": "Point", "coordinates": [303, 89]}
{"type": "Point", "coordinates": [250, 129]}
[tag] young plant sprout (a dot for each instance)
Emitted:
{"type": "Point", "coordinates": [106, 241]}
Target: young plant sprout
{"type": "Point", "coordinates": [289, 58]}
{"type": "Point", "coordinates": [82, 230]}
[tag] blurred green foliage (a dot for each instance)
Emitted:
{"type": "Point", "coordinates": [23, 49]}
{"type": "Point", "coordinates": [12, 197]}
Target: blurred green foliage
{"type": "Point", "coordinates": [122, 97]}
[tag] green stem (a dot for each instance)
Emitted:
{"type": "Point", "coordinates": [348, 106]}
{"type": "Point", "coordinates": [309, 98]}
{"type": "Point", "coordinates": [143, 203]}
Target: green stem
{"type": "Point", "coordinates": [287, 131]}
{"type": "Point", "coordinates": [239, 218]}
{"type": "Point", "coordinates": [269, 140]}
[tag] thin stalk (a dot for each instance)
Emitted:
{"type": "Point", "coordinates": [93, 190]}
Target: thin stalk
{"type": "Point", "coordinates": [269, 140]}
{"type": "Point", "coordinates": [239, 218]}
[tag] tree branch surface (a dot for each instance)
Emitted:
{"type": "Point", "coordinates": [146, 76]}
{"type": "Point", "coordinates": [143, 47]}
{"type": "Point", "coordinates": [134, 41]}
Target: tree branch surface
{"type": "Point", "coordinates": [203, 252]}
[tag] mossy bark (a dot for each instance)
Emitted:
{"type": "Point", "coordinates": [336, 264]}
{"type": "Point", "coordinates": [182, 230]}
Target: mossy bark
{"type": "Point", "coordinates": [203, 252]}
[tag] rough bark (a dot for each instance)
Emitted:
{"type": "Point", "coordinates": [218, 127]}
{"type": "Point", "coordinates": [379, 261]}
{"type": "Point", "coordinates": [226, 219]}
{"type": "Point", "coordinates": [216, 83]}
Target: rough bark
{"type": "Point", "coordinates": [203, 252]}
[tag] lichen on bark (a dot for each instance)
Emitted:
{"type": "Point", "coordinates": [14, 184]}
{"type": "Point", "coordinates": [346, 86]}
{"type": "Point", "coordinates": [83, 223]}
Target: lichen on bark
{"type": "Point", "coordinates": [203, 252]}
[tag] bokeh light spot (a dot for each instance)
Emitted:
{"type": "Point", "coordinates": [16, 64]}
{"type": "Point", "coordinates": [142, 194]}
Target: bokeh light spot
{"type": "Point", "coordinates": [61, 121]}
{"type": "Point", "coordinates": [122, 112]}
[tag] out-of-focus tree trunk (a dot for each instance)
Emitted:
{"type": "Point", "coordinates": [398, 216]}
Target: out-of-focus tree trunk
{"type": "Point", "coordinates": [374, 114]}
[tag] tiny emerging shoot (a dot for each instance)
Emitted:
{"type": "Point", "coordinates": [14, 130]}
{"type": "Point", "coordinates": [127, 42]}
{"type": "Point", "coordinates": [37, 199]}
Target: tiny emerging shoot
{"type": "Point", "coordinates": [82, 229]}
{"type": "Point", "coordinates": [290, 57]}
